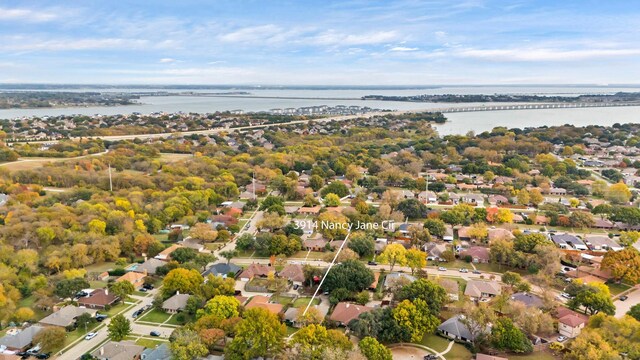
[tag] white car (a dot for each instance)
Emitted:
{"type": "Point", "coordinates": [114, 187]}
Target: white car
{"type": "Point", "coordinates": [442, 268]}
{"type": "Point", "coordinates": [90, 336]}
{"type": "Point", "coordinates": [561, 338]}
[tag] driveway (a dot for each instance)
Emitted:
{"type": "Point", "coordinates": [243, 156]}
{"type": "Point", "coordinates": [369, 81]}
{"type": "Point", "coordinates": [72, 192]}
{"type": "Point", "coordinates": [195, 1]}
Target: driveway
{"type": "Point", "coordinates": [623, 306]}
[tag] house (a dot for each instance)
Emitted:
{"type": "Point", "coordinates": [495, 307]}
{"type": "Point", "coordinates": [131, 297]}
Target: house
{"type": "Point", "coordinates": [192, 243]}
{"type": "Point", "coordinates": [165, 255]}
{"type": "Point", "coordinates": [315, 210]}
{"type": "Point", "coordinates": [557, 191]}
{"type": "Point", "coordinates": [175, 303]}
{"type": "Point", "coordinates": [434, 251]}
{"type": "Point", "coordinates": [478, 254]}
{"type": "Point", "coordinates": [541, 220]}
{"type": "Point", "coordinates": [344, 312]}
{"type": "Point", "coordinates": [479, 289]}
{"type": "Point", "coordinates": [98, 299]}
{"type": "Point", "coordinates": [223, 269]}
{"type": "Point", "coordinates": [448, 233]}
{"type": "Point", "coordinates": [293, 273]}
{"type": "Point", "coordinates": [160, 352]}
{"type": "Point", "coordinates": [397, 278]}
{"type": "Point", "coordinates": [568, 241]}
{"type": "Point", "coordinates": [603, 224]}
{"type": "Point", "coordinates": [21, 340]}
{"type": "Point", "coordinates": [66, 316]}
{"type": "Point", "coordinates": [528, 299]}
{"type": "Point", "coordinates": [473, 199]}
{"type": "Point", "coordinates": [499, 233]}
{"type": "Point", "coordinates": [455, 329]}
{"type": "Point", "coordinates": [149, 266]}
{"type": "Point", "coordinates": [428, 197]}
{"type": "Point", "coordinates": [452, 287]}
{"type": "Point", "coordinates": [260, 301]}
{"type": "Point", "coordinates": [570, 323]}
{"type": "Point", "coordinates": [315, 244]}
{"type": "Point", "coordinates": [136, 279]}
{"type": "Point", "coordinates": [254, 270]}
{"type": "Point", "coordinates": [291, 315]}
{"type": "Point", "coordinates": [118, 350]}
{"type": "Point", "coordinates": [602, 243]}
{"type": "Point", "coordinates": [498, 200]}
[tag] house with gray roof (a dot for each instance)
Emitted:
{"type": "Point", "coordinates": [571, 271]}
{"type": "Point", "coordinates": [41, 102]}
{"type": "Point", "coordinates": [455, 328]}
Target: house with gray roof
{"type": "Point", "coordinates": [479, 289]}
{"type": "Point", "coordinates": [395, 278]}
{"type": "Point", "coordinates": [530, 300]}
{"type": "Point", "coordinates": [149, 266]}
{"type": "Point", "coordinates": [118, 350]}
{"type": "Point", "coordinates": [455, 329]}
{"type": "Point", "coordinates": [568, 241]}
{"type": "Point", "coordinates": [223, 269]}
{"type": "Point", "coordinates": [21, 340]}
{"type": "Point", "coordinates": [160, 352]}
{"type": "Point", "coordinates": [175, 303]}
{"type": "Point", "coordinates": [66, 316]}
{"type": "Point", "coordinates": [602, 243]}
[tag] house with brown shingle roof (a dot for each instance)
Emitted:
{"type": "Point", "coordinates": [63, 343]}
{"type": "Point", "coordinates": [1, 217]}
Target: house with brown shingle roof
{"type": "Point", "coordinates": [118, 350]}
{"type": "Point", "coordinates": [293, 273]}
{"type": "Point", "coordinates": [254, 270]}
{"type": "Point", "coordinates": [570, 323]}
{"type": "Point", "coordinates": [165, 255]}
{"type": "Point", "coordinates": [479, 254]}
{"type": "Point", "coordinates": [98, 299]}
{"type": "Point", "coordinates": [260, 301]}
{"type": "Point", "coordinates": [136, 279]}
{"type": "Point", "coordinates": [344, 312]}
{"type": "Point", "coordinates": [479, 289]}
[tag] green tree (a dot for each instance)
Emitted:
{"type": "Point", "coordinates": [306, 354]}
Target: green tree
{"type": "Point", "coordinates": [595, 297]}
{"type": "Point", "coordinates": [416, 317]}
{"type": "Point", "coordinates": [68, 288]}
{"type": "Point", "coordinates": [332, 200]}
{"type": "Point", "coordinates": [260, 334]}
{"type": "Point", "coordinates": [312, 340]}
{"type": "Point", "coordinates": [413, 208]}
{"type": "Point", "coordinates": [416, 259]}
{"type": "Point", "coordinates": [433, 294]}
{"type": "Point", "coordinates": [121, 289]}
{"type": "Point", "coordinates": [634, 312]}
{"type": "Point", "coordinates": [362, 244]}
{"type": "Point", "coordinates": [505, 336]}
{"type": "Point", "coordinates": [50, 338]}
{"type": "Point", "coordinates": [528, 242]}
{"type": "Point", "coordinates": [352, 275]}
{"type": "Point", "coordinates": [373, 350]}
{"type": "Point", "coordinates": [221, 306]}
{"type": "Point", "coordinates": [336, 187]}
{"type": "Point", "coordinates": [186, 344]}
{"type": "Point", "coordinates": [183, 280]}
{"type": "Point", "coordinates": [229, 254]}
{"type": "Point", "coordinates": [436, 227]}
{"type": "Point", "coordinates": [623, 264]}
{"type": "Point", "coordinates": [119, 328]}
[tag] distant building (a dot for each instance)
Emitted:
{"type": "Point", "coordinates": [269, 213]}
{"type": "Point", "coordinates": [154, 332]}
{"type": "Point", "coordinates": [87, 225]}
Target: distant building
{"type": "Point", "coordinates": [122, 350]}
{"type": "Point", "coordinates": [66, 316]}
{"type": "Point", "coordinates": [175, 303]}
{"type": "Point", "coordinates": [344, 312]}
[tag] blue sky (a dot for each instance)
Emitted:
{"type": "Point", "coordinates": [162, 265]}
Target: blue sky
{"type": "Point", "coordinates": [404, 42]}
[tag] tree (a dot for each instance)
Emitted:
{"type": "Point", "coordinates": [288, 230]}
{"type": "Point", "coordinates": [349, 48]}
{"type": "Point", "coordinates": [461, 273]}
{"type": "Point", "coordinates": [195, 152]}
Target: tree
{"type": "Point", "coordinates": [505, 336]}
{"type": "Point", "coordinates": [332, 225]}
{"type": "Point", "coordinates": [186, 344]}
{"type": "Point", "coordinates": [229, 254]}
{"type": "Point", "coordinates": [478, 231]}
{"type": "Point", "coordinates": [203, 232]}
{"type": "Point", "coordinates": [591, 345]}
{"type": "Point", "coordinates": [221, 306]}
{"type": "Point", "coordinates": [361, 243]}
{"type": "Point", "coordinates": [618, 193]}
{"type": "Point", "coordinates": [351, 275]}
{"type": "Point", "coordinates": [23, 314]}
{"type": "Point", "coordinates": [50, 338]}
{"type": "Point", "coordinates": [623, 264]}
{"type": "Point", "coordinates": [581, 219]}
{"type": "Point", "coordinates": [316, 182]}
{"type": "Point", "coordinates": [245, 242]}
{"type": "Point", "coordinates": [416, 317]}
{"type": "Point", "coordinates": [312, 340]}
{"type": "Point", "coordinates": [212, 337]}
{"type": "Point", "coordinates": [373, 350]}
{"type": "Point", "coordinates": [433, 294]}
{"type": "Point", "coordinates": [511, 278]}
{"type": "Point", "coordinates": [436, 227]}
{"type": "Point", "coordinates": [184, 254]}
{"type": "Point", "coordinates": [634, 312]}
{"type": "Point", "coordinates": [183, 280]}
{"type": "Point", "coordinates": [535, 197]}
{"type": "Point", "coordinates": [332, 200]}
{"type": "Point", "coordinates": [595, 297]}
{"type": "Point", "coordinates": [312, 316]}
{"type": "Point", "coordinates": [68, 288]}
{"type": "Point", "coordinates": [628, 238]}
{"type": "Point", "coordinates": [413, 208]}
{"type": "Point", "coordinates": [528, 242]}
{"type": "Point", "coordinates": [478, 319]}
{"type": "Point", "coordinates": [336, 187]}
{"type": "Point", "coordinates": [119, 328]}
{"type": "Point", "coordinates": [523, 197]}
{"type": "Point", "coordinates": [393, 254]}
{"type": "Point", "coordinates": [415, 259]}
{"type": "Point", "coordinates": [121, 289]}
{"type": "Point", "coordinates": [260, 334]}
{"type": "Point", "coordinates": [84, 321]}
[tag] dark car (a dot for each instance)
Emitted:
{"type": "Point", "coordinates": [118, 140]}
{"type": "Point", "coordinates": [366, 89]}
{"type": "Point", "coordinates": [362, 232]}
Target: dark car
{"type": "Point", "coordinates": [430, 357]}
{"type": "Point", "coordinates": [43, 356]}
{"type": "Point", "coordinates": [137, 313]}
{"type": "Point", "coordinates": [23, 354]}
{"type": "Point", "coordinates": [372, 263]}
{"type": "Point", "coordinates": [148, 286]}
{"type": "Point", "coordinates": [154, 333]}
{"type": "Point", "coordinates": [623, 298]}
{"type": "Point", "coordinates": [476, 272]}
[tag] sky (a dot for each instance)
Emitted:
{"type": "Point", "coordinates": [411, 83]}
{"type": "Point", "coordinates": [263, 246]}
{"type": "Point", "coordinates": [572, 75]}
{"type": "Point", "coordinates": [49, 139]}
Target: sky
{"type": "Point", "coordinates": [299, 42]}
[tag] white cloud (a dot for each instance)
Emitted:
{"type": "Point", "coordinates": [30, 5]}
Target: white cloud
{"type": "Point", "coordinates": [18, 14]}
{"type": "Point", "coordinates": [544, 54]}
{"type": "Point", "coordinates": [332, 37]}
{"type": "Point", "coordinates": [403, 49]}
{"type": "Point", "coordinates": [22, 43]}
{"type": "Point", "coordinates": [251, 34]}
{"type": "Point", "coordinates": [167, 60]}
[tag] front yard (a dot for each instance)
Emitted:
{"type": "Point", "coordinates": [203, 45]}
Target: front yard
{"type": "Point", "coordinates": [155, 316]}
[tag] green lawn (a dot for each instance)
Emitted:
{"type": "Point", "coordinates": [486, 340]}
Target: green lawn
{"type": "Point", "coordinates": [174, 319]}
{"type": "Point", "coordinates": [283, 300]}
{"type": "Point", "coordinates": [115, 309]}
{"type": "Point", "coordinates": [291, 330]}
{"type": "Point", "coordinates": [30, 303]}
{"type": "Point", "coordinates": [105, 266]}
{"type": "Point", "coordinates": [303, 301]}
{"type": "Point", "coordinates": [148, 343]}
{"type": "Point", "coordinates": [438, 343]}
{"type": "Point", "coordinates": [155, 316]}
{"type": "Point", "coordinates": [313, 255]}
{"type": "Point", "coordinates": [616, 289]}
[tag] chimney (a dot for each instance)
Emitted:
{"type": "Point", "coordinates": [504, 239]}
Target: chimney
{"type": "Point", "coordinates": [178, 292]}
{"type": "Point", "coordinates": [106, 291]}
{"type": "Point", "coordinates": [146, 273]}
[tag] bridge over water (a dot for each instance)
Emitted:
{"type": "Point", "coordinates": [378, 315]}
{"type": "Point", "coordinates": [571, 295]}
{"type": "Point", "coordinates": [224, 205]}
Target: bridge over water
{"type": "Point", "coordinates": [533, 106]}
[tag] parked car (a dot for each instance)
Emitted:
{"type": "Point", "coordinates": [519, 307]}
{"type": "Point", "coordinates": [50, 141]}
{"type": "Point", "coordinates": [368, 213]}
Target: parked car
{"type": "Point", "coordinates": [484, 300]}
{"type": "Point", "coordinates": [43, 356]}
{"type": "Point", "coordinates": [561, 338]}
{"type": "Point", "coordinates": [476, 272]}
{"type": "Point", "coordinates": [566, 296]}
{"type": "Point", "coordinates": [442, 268]}
{"type": "Point", "coordinates": [464, 270]}
{"type": "Point", "coordinates": [90, 335]}
{"type": "Point", "coordinates": [101, 317]}
{"type": "Point", "coordinates": [142, 289]}
{"type": "Point", "coordinates": [154, 333]}
{"type": "Point", "coordinates": [148, 286]}
{"type": "Point", "coordinates": [34, 350]}
{"type": "Point", "coordinates": [372, 263]}
{"type": "Point", "coordinates": [623, 298]}
{"type": "Point", "coordinates": [137, 313]}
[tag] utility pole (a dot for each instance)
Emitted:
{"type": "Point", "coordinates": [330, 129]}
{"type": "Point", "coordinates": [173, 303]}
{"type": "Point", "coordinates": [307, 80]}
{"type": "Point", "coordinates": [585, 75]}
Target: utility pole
{"type": "Point", "coordinates": [110, 180]}
{"type": "Point", "coordinates": [426, 189]}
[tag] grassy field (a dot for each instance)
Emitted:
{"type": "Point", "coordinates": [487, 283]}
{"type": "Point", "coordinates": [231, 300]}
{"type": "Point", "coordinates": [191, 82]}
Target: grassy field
{"type": "Point", "coordinates": [283, 300]}
{"type": "Point", "coordinates": [105, 266]}
{"type": "Point", "coordinates": [616, 289]}
{"type": "Point", "coordinates": [155, 316]}
{"type": "Point", "coordinates": [30, 302]}
{"type": "Point", "coordinates": [303, 301]}
{"type": "Point", "coordinates": [148, 343]}
{"type": "Point", "coordinates": [174, 319]}
{"type": "Point", "coordinates": [115, 309]}
{"type": "Point", "coordinates": [172, 157]}
{"type": "Point", "coordinates": [438, 343]}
